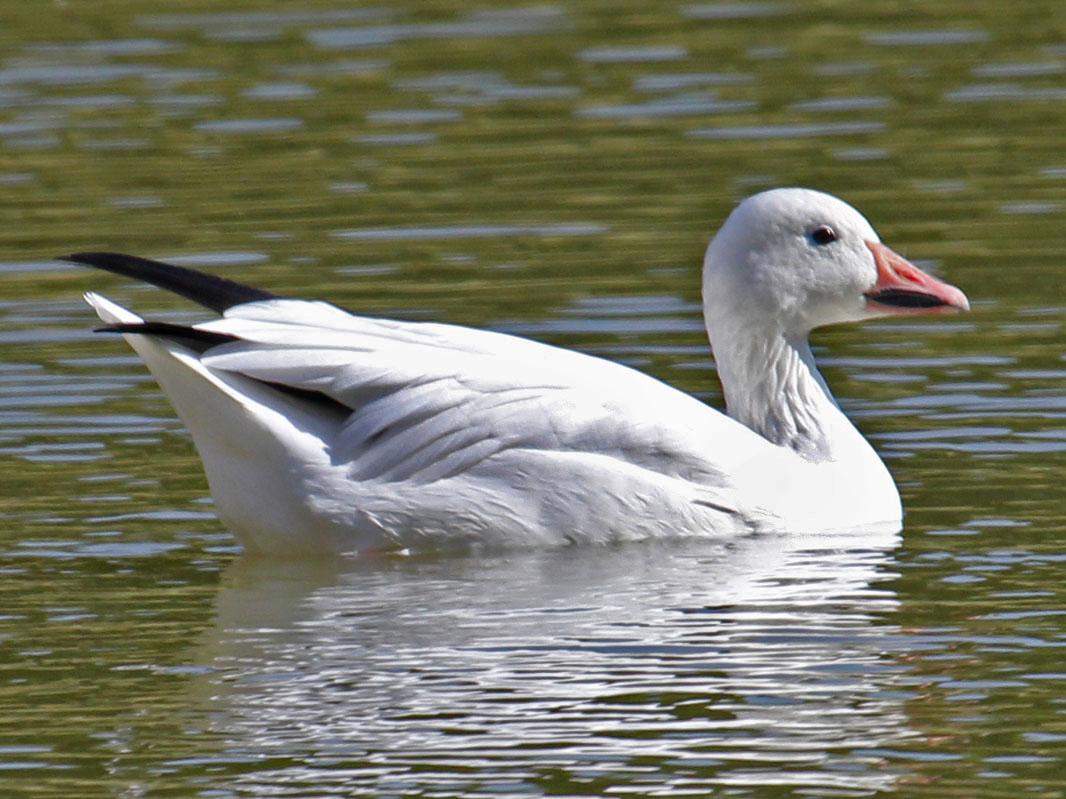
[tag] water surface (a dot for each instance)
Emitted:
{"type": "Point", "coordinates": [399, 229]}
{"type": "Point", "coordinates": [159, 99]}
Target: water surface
{"type": "Point", "coordinates": [553, 171]}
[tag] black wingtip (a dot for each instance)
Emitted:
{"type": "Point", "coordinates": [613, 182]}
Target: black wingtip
{"type": "Point", "coordinates": [216, 293]}
{"type": "Point", "coordinates": [192, 337]}
{"type": "Point", "coordinates": [201, 341]}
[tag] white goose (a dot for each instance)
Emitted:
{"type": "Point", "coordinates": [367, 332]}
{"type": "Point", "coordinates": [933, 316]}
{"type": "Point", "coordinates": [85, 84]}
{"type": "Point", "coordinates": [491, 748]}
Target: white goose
{"type": "Point", "coordinates": [321, 431]}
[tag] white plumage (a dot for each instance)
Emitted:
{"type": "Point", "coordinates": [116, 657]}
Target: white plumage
{"type": "Point", "coordinates": [324, 431]}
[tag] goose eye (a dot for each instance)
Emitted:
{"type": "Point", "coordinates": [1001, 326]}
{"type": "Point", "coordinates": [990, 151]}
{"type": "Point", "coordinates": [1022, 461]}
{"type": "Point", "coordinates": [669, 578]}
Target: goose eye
{"type": "Point", "coordinates": [823, 235]}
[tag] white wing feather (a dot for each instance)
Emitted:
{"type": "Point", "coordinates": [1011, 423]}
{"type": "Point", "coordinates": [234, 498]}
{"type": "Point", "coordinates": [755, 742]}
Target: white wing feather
{"type": "Point", "coordinates": [440, 435]}
{"type": "Point", "coordinates": [430, 401]}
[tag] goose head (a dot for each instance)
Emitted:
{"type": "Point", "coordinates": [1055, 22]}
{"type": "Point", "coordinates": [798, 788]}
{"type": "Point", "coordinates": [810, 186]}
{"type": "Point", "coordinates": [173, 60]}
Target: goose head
{"type": "Point", "coordinates": [791, 260]}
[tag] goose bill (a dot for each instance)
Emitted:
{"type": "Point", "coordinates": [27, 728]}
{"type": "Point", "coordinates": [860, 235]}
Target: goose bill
{"type": "Point", "coordinates": [903, 288]}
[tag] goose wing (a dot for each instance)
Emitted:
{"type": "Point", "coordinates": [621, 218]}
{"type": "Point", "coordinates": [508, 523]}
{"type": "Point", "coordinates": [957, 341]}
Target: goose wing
{"type": "Point", "coordinates": [429, 401]}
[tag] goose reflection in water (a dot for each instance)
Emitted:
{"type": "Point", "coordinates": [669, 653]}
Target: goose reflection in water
{"type": "Point", "coordinates": [756, 663]}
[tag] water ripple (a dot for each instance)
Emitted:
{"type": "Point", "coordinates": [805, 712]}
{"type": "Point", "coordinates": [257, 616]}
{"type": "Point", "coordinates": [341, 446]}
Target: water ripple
{"type": "Point", "coordinates": [743, 10]}
{"type": "Point", "coordinates": [258, 126]}
{"type": "Point", "coordinates": [467, 232]}
{"type": "Point", "coordinates": [791, 131]}
{"type": "Point", "coordinates": [926, 38]}
{"type": "Point", "coordinates": [632, 55]}
{"type": "Point", "coordinates": [484, 24]}
{"type": "Point", "coordinates": [672, 107]}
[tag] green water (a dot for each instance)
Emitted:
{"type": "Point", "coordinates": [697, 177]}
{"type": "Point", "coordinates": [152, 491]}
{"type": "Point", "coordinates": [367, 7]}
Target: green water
{"type": "Point", "coordinates": [554, 171]}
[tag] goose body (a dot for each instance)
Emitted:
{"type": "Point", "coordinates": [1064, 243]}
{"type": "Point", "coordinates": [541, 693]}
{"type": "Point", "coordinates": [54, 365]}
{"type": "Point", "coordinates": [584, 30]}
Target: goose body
{"type": "Point", "coordinates": [321, 431]}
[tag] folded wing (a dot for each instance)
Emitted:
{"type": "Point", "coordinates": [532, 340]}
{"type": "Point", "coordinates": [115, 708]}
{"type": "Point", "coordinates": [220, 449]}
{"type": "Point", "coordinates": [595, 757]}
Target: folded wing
{"type": "Point", "coordinates": [430, 401]}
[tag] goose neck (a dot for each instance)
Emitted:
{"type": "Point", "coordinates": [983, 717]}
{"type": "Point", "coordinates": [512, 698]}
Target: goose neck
{"type": "Point", "coordinates": [771, 385]}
